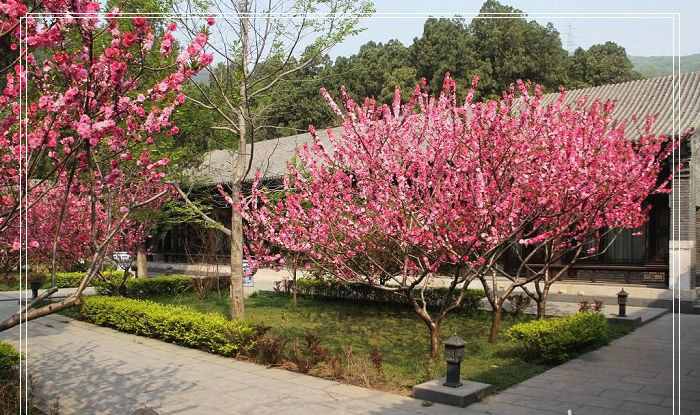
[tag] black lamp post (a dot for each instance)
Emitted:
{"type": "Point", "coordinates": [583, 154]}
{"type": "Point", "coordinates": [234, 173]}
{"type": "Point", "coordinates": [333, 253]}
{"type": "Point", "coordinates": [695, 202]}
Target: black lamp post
{"type": "Point", "coordinates": [622, 302]}
{"type": "Point", "coordinates": [123, 259]}
{"type": "Point", "coordinates": [35, 285]}
{"type": "Point", "coordinates": [454, 354]}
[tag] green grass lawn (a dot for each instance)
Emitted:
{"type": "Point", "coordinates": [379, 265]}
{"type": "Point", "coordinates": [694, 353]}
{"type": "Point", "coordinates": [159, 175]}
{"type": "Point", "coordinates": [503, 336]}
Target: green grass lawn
{"type": "Point", "coordinates": [396, 333]}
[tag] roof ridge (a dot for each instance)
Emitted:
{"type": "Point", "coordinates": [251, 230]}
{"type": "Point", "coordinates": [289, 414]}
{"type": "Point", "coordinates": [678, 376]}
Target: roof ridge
{"type": "Point", "coordinates": [618, 84]}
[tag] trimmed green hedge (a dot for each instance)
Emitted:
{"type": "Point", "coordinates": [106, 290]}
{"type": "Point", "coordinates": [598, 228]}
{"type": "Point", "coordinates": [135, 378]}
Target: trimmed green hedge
{"type": "Point", "coordinates": [9, 357]}
{"type": "Point", "coordinates": [174, 324]}
{"type": "Point", "coordinates": [165, 285]}
{"type": "Point", "coordinates": [72, 279]}
{"type": "Point", "coordinates": [144, 287]}
{"type": "Point", "coordinates": [555, 340]}
{"type": "Point", "coordinates": [63, 279]}
{"type": "Point", "coordinates": [335, 290]}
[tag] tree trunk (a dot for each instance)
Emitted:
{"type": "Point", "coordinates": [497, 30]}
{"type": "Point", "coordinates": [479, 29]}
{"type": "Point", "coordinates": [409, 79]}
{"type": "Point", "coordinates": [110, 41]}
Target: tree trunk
{"type": "Point", "coordinates": [39, 312]}
{"type": "Point", "coordinates": [141, 262]}
{"type": "Point", "coordinates": [294, 285]}
{"type": "Point", "coordinates": [542, 303]}
{"type": "Point", "coordinates": [434, 330]}
{"type": "Point", "coordinates": [236, 288]}
{"type": "Point", "coordinates": [495, 322]}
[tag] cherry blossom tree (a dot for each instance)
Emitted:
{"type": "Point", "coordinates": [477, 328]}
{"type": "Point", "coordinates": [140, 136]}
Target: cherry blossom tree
{"type": "Point", "coordinates": [586, 177]}
{"type": "Point", "coordinates": [434, 192]}
{"type": "Point", "coordinates": [399, 198]}
{"type": "Point", "coordinates": [76, 126]}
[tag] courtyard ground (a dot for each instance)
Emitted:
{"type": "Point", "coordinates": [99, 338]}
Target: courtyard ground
{"type": "Point", "coordinates": [100, 371]}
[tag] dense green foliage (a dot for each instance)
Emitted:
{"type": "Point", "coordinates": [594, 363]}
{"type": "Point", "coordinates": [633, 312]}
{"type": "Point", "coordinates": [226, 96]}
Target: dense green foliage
{"type": "Point", "coordinates": [601, 64]}
{"type": "Point", "coordinates": [362, 293]}
{"type": "Point", "coordinates": [144, 287]}
{"type": "Point", "coordinates": [9, 380]}
{"type": "Point", "coordinates": [651, 66]}
{"type": "Point", "coordinates": [174, 324]}
{"type": "Point", "coordinates": [63, 280]}
{"type": "Point", "coordinates": [165, 285]}
{"type": "Point", "coordinates": [9, 357]}
{"type": "Point", "coordinates": [557, 339]}
{"type": "Point", "coordinates": [500, 51]}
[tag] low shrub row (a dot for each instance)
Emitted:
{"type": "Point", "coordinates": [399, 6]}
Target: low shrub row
{"type": "Point", "coordinates": [165, 285]}
{"type": "Point", "coordinates": [555, 340]}
{"type": "Point", "coordinates": [9, 380]}
{"type": "Point", "coordinates": [63, 279]}
{"type": "Point", "coordinates": [361, 293]}
{"type": "Point", "coordinates": [174, 324]}
{"type": "Point", "coordinates": [143, 287]}
{"type": "Point", "coordinates": [216, 334]}
{"type": "Point", "coordinates": [9, 357]}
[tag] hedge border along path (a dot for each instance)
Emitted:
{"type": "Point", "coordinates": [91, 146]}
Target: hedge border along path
{"type": "Point", "coordinates": [173, 324]}
{"type": "Point", "coordinates": [555, 340]}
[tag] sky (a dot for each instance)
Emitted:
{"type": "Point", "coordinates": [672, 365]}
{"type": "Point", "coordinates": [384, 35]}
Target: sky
{"type": "Point", "coordinates": [641, 35]}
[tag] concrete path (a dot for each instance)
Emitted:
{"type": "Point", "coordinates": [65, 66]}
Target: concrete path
{"type": "Point", "coordinates": [633, 375]}
{"type": "Point", "coordinates": [27, 294]}
{"type": "Point", "coordinates": [100, 371]}
{"type": "Point", "coordinates": [96, 370]}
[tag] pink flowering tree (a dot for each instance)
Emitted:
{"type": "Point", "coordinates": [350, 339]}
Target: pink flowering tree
{"type": "Point", "coordinates": [582, 176]}
{"type": "Point", "coordinates": [76, 127]}
{"type": "Point", "coordinates": [435, 192]}
{"type": "Point", "coordinates": [398, 199]}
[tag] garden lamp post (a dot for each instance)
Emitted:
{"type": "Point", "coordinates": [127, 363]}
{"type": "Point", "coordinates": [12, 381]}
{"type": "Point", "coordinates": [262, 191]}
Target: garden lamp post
{"type": "Point", "coordinates": [622, 302]}
{"type": "Point", "coordinates": [123, 259]}
{"type": "Point", "coordinates": [454, 354]}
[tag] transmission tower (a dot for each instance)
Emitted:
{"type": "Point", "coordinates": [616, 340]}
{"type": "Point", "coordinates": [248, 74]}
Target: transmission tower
{"type": "Point", "coordinates": [570, 44]}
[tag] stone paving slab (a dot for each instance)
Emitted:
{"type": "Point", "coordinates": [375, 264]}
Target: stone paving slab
{"type": "Point", "coordinates": [96, 370]}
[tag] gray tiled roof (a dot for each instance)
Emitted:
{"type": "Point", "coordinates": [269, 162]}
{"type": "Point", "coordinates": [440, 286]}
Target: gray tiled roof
{"type": "Point", "coordinates": [647, 97]}
{"type": "Point", "coordinates": [269, 156]}
{"type": "Point", "coordinates": [640, 98]}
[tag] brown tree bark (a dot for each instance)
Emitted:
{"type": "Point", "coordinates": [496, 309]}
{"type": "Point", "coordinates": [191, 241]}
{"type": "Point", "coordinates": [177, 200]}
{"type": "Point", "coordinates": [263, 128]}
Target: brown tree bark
{"type": "Point", "coordinates": [542, 303]}
{"type": "Point", "coordinates": [141, 262]}
{"type": "Point", "coordinates": [237, 306]}
{"type": "Point", "coordinates": [435, 342]}
{"type": "Point", "coordinates": [433, 328]}
{"type": "Point", "coordinates": [34, 313]}
{"type": "Point", "coordinates": [294, 285]}
{"type": "Point", "coordinates": [495, 322]}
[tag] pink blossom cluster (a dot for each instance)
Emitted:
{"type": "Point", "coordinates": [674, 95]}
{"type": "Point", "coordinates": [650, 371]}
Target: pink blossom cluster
{"type": "Point", "coordinates": [432, 185]}
{"type": "Point", "coordinates": [90, 124]}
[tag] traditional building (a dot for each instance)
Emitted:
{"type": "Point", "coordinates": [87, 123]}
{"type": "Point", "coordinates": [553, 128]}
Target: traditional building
{"type": "Point", "coordinates": [663, 258]}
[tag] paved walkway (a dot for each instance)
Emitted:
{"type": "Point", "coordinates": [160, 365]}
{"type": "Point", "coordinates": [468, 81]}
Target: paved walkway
{"type": "Point", "coordinates": [101, 371]}
{"type": "Point", "coordinates": [633, 375]}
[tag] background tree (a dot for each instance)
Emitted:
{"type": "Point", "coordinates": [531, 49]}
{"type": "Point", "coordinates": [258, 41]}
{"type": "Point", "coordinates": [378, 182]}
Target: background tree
{"type": "Point", "coordinates": [514, 48]}
{"type": "Point", "coordinates": [446, 45]}
{"type": "Point", "coordinates": [499, 51]}
{"type": "Point", "coordinates": [258, 51]}
{"type": "Point", "coordinates": [599, 65]}
{"type": "Point", "coordinates": [366, 73]}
